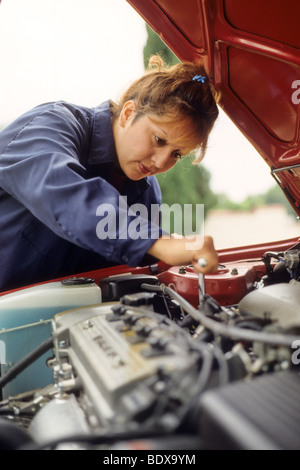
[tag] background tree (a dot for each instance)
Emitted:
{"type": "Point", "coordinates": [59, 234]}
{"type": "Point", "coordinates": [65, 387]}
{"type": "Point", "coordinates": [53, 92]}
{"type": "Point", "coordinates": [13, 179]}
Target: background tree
{"type": "Point", "coordinates": [154, 45]}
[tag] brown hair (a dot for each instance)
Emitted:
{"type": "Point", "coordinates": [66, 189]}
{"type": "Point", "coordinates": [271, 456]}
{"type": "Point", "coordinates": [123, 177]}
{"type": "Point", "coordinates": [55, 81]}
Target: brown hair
{"type": "Point", "coordinates": [170, 91]}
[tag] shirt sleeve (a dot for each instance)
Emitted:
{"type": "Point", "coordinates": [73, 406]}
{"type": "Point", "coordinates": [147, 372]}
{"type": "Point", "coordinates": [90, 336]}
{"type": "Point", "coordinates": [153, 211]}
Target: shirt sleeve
{"type": "Point", "coordinates": [40, 168]}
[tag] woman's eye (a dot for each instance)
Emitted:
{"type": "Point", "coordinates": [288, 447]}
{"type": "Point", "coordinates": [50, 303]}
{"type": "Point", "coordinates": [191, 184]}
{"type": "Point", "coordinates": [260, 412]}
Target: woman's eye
{"type": "Point", "coordinates": [159, 140]}
{"type": "Point", "coordinates": [162, 142]}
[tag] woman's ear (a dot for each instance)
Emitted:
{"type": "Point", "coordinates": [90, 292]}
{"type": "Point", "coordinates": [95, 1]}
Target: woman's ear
{"type": "Point", "coordinates": [128, 111]}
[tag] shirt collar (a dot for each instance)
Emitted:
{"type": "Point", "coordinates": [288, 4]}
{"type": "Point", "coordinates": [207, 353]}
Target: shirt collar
{"type": "Point", "coordinates": [102, 146]}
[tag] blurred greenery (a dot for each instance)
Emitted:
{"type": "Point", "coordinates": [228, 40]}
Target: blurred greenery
{"type": "Point", "coordinates": [186, 183]}
{"type": "Point", "coordinates": [154, 45]}
{"type": "Point", "coordinates": [274, 195]}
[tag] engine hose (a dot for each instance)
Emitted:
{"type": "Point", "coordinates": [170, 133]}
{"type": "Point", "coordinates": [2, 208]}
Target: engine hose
{"type": "Point", "coordinates": [221, 329]}
{"type": "Point", "coordinates": [12, 436]}
{"type": "Point", "coordinates": [25, 362]}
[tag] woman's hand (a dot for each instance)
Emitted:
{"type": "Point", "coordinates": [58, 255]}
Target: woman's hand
{"type": "Point", "coordinates": [176, 251]}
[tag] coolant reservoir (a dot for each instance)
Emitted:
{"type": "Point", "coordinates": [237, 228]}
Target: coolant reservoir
{"type": "Point", "coordinates": [26, 321]}
{"type": "Point", "coordinates": [42, 302]}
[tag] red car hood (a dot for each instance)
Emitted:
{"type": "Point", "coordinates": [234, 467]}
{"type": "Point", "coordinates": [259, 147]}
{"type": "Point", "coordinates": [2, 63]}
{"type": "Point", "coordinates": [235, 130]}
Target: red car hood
{"type": "Point", "coordinates": [251, 50]}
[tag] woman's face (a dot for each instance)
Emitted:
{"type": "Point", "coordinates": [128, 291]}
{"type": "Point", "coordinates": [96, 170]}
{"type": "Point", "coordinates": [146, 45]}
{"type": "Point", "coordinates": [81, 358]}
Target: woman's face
{"type": "Point", "coordinates": [149, 145]}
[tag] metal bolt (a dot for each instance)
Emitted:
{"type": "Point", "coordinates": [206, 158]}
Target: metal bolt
{"type": "Point", "coordinates": [88, 324]}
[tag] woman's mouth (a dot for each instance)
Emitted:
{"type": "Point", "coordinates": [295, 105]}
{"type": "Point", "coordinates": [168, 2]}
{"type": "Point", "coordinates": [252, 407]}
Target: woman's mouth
{"type": "Point", "coordinates": [144, 169]}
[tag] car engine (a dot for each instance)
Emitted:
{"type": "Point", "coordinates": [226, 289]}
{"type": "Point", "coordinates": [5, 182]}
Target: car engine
{"type": "Point", "coordinates": [165, 361]}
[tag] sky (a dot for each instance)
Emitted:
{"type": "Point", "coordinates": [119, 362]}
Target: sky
{"type": "Point", "coordinates": [87, 52]}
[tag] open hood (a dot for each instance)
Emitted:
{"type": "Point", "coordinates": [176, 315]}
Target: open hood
{"type": "Point", "coordinates": [251, 51]}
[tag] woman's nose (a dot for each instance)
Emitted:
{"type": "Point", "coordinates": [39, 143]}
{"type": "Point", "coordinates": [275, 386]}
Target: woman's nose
{"type": "Point", "coordinates": [160, 158]}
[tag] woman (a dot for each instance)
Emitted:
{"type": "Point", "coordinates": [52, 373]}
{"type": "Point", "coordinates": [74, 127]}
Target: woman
{"type": "Point", "coordinates": [62, 166]}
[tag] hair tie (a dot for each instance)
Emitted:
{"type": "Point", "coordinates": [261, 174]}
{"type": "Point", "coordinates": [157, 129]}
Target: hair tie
{"type": "Point", "coordinates": [200, 78]}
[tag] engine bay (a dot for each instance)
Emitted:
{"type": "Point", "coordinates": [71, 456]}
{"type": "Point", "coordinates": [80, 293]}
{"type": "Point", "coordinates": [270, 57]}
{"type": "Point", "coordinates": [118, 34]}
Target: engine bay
{"type": "Point", "coordinates": [161, 359]}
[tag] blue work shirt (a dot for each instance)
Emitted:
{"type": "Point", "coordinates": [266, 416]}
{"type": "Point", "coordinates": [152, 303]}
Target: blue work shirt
{"type": "Point", "coordinates": [56, 168]}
